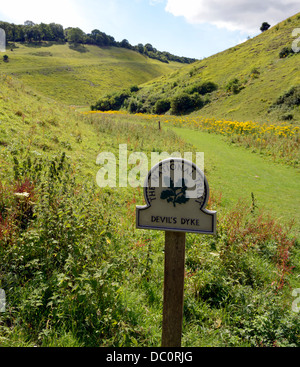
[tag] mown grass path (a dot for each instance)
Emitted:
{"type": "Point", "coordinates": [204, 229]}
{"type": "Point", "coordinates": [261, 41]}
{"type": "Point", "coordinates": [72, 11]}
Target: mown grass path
{"type": "Point", "coordinates": [236, 172]}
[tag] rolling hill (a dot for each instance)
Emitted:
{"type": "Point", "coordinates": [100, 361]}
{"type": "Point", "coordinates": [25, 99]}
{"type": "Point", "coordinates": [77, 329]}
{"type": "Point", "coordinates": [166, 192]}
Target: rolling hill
{"type": "Point", "coordinates": [251, 77]}
{"type": "Point", "coordinates": [80, 75]}
{"type": "Point", "coordinates": [75, 270]}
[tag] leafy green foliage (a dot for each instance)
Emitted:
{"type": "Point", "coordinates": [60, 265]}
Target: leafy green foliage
{"type": "Point", "coordinates": [184, 103]}
{"type": "Point", "coordinates": [67, 261]}
{"type": "Point", "coordinates": [291, 98]}
{"type": "Point", "coordinates": [234, 86]}
{"type": "Point", "coordinates": [265, 26]}
{"type": "Point", "coordinates": [77, 273]}
{"type": "Point", "coordinates": [75, 35]}
{"type": "Point", "coordinates": [202, 88]}
{"type": "Point", "coordinates": [162, 106]}
{"type": "Point", "coordinates": [287, 103]}
{"type": "Point", "coordinates": [286, 51]}
{"type": "Point", "coordinates": [65, 232]}
{"type": "Point", "coordinates": [188, 101]}
{"type": "Point", "coordinates": [111, 102]}
{"type": "Point", "coordinates": [134, 88]}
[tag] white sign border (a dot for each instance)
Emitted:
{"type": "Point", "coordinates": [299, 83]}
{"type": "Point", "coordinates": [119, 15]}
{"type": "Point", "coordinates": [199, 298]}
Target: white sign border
{"type": "Point", "coordinates": [139, 209]}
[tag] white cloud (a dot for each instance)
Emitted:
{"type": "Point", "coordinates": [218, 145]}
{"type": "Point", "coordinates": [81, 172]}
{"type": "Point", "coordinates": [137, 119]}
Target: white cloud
{"type": "Point", "coordinates": [64, 12]}
{"type": "Point", "coordinates": [243, 15]}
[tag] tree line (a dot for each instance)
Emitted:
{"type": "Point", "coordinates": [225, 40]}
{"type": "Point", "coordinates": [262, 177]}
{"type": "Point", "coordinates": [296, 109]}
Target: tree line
{"type": "Point", "coordinates": [31, 32]}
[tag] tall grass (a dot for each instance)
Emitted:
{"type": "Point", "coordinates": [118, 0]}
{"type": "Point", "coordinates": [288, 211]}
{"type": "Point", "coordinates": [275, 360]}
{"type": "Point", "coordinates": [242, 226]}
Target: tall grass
{"type": "Point", "coordinates": [77, 273]}
{"type": "Point", "coordinates": [75, 270]}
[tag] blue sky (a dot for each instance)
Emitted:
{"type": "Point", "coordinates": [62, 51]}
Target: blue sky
{"type": "Point", "coordinates": [193, 28]}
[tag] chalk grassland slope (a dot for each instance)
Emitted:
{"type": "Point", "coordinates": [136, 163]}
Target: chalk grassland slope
{"type": "Point", "coordinates": [80, 75]}
{"type": "Point", "coordinates": [262, 75]}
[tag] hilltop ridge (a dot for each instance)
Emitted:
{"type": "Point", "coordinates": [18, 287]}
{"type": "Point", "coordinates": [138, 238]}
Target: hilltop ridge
{"type": "Point", "coordinates": [38, 33]}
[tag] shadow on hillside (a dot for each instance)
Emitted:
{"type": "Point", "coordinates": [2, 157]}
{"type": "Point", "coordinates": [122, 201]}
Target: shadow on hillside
{"type": "Point", "coordinates": [78, 47]}
{"type": "Point", "coordinates": [43, 44]}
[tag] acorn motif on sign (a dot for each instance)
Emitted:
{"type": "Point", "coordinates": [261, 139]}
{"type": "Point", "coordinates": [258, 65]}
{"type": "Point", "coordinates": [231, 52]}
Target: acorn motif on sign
{"type": "Point", "coordinates": [175, 194]}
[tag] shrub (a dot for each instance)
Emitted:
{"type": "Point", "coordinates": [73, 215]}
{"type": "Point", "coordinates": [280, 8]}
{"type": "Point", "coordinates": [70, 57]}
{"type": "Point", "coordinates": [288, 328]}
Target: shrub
{"type": "Point", "coordinates": [133, 106]}
{"type": "Point", "coordinates": [111, 101]}
{"type": "Point", "coordinates": [291, 98]}
{"type": "Point", "coordinates": [287, 117]}
{"type": "Point", "coordinates": [162, 106]}
{"type": "Point", "coordinates": [254, 73]}
{"type": "Point", "coordinates": [53, 229]}
{"type": "Point", "coordinates": [134, 88]}
{"type": "Point", "coordinates": [203, 88]}
{"type": "Point", "coordinates": [234, 86]}
{"type": "Point", "coordinates": [184, 103]}
{"type": "Point", "coordinates": [265, 26]}
{"type": "Point", "coordinates": [286, 51]}
{"type": "Point", "coordinates": [198, 101]}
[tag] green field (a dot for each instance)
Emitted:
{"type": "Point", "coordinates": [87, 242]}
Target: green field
{"type": "Point", "coordinates": [75, 269]}
{"type": "Point", "coordinates": [80, 75]}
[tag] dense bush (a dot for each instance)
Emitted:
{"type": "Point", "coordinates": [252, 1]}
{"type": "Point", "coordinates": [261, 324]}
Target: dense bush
{"type": "Point", "coordinates": [133, 106]}
{"type": "Point", "coordinates": [203, 88]}
{"type": "Point", "coordinates": [162, 106]}
{"type": "Point", "coordinates": [234, 86]}
{"type": "Point", "coordinates": [243, 271]}
{"type": "Point", "coordinates": [111, 101]}
{"type": "Point", "coordinates": [184, 103]}
{"type": "Point", "coordinates": [291, 98]}
{"type": "Point", "coordinates": [286, 51]}
{"type": "Point", "coordinates": [134, 88]}
{"type": "Point", "coordinates": [189, 100]}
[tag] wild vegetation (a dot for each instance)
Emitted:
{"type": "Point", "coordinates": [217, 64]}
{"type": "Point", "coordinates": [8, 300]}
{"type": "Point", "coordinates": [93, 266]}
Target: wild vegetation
{"type": "Point", "coordinates": [188, 100]}
{"type": "Point", "coordinates": [280, 142]}
{"type": "Point", "coordinates": [250, 78]}
{"type": "Point", "coordinates": [76, 271]}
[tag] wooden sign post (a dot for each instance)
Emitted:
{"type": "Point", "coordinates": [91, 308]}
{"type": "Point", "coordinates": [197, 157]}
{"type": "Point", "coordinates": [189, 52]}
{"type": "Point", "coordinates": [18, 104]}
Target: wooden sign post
{"type": "Point", "coordinates": [173, 289]}
{"type": "Point", "coordinates": [176, 192]}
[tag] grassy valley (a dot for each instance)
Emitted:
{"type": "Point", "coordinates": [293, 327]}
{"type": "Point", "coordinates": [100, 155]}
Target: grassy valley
{"type": "Point", "coordinates": [75, 270]}
{"type": "Point", "coordinates": [79, 75]}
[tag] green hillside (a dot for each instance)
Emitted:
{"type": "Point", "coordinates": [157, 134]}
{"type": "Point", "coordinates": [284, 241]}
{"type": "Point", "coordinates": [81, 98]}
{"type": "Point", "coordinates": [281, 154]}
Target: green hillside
{"type": "Point", "coordinates": [74, 268]}
{"type": "Point", "coordinates": [80, 75]}
{"type": "Point", "coordinates": [250, 78]}
{"type": "Point", "coordinates": [77, 272]}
